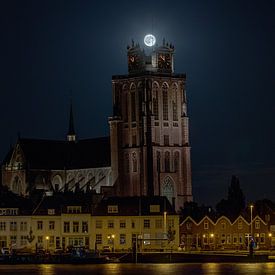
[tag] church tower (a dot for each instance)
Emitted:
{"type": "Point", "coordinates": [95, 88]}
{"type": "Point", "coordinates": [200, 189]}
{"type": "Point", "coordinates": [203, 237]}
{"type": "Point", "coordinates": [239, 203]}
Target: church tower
{"type": "Point", "coordinates": [71, 135]}
{"type": "Point", "coordinates": [150, 151]}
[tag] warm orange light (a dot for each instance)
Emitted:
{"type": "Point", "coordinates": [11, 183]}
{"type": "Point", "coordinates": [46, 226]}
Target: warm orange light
{"type": "Point", "coordinates": [270, 235]}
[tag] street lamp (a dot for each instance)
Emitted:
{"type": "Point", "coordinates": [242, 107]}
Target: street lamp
{"type": "Point", "coordinates": [111, 239]}
{"type": "Point", "coordinates": [270, 243]}
{"type": "Point", "coordinates": [251, 208]}
{"type": "Point", "coordinates": [47, 243]}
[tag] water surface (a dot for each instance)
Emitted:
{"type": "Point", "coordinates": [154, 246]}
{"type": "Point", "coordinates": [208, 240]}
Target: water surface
{"type": "Point", "coordinates": [141, 269]}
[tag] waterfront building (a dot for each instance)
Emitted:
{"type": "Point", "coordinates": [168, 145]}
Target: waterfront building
{"type": "Point", "coordinates": [209, 233]}
{"type": "Point", "coordinates": [64, 221]}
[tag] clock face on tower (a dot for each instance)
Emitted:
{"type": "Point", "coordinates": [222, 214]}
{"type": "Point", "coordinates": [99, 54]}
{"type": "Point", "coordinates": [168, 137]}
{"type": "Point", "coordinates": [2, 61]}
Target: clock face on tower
{"type": "Point", "coordinates": [132, 62]}
{"type": "Point", "coordinates": [164, 61]}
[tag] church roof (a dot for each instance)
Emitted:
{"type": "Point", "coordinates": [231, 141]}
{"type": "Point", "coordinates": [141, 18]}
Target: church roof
{"type": "Point", "coordinates": [56, 154]}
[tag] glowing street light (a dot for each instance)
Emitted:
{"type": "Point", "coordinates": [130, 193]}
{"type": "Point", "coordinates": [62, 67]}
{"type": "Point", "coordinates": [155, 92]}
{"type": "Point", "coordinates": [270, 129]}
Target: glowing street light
{"type": "Point", "coordinates": [251, 228]}
{"type": "Point", "coordinates": [47, 242]}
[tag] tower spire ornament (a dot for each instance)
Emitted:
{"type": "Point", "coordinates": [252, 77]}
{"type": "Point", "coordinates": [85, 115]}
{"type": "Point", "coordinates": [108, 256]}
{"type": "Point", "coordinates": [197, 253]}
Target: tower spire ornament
{"type": "Point", "coordinates": [71, 136]}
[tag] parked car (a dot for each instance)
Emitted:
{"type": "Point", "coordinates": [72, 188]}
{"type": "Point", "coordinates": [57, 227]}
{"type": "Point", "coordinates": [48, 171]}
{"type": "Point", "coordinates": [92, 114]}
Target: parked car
{"type": "Point", "coordinates": [5, 251]}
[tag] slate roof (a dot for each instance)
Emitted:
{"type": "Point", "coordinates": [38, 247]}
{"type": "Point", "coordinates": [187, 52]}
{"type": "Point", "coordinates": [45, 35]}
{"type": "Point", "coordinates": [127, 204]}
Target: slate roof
{"type": "Point", "coordinates": [57, 155]}
{"type": "Point", "coordinates": [60, 201]}
{"type": "Point", "coordinates": [134, 206]}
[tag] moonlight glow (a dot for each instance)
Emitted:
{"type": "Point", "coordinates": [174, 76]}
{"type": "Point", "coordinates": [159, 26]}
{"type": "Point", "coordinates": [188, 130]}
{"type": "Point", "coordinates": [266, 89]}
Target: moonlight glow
{"type": "Point", "coordinates": [149, 40]}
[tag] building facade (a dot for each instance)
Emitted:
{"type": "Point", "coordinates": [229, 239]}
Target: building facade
{"type": "Point", "coordinates": [116, 223]}
{"type": "Point", "coordinates": [58, 165]}
{"type": "Point", "coordinates": [222, 233]}
{"type": "Point", "coordinates": [149, 129]}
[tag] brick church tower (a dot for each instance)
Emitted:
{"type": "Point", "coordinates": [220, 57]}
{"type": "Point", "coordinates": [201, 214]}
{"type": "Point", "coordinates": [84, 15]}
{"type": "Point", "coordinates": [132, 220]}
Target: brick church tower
{"type": "Point", "coordinates": [150, 151]}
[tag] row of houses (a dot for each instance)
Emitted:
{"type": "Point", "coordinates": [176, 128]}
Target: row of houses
{"type": "Point", "coordinates": [223, 233]}
{"type": "Point", "coordinates": [114, 223]}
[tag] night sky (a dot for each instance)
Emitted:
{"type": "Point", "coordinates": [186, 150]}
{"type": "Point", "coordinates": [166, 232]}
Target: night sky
{"type": "Point", "coordinates": [226, 48]}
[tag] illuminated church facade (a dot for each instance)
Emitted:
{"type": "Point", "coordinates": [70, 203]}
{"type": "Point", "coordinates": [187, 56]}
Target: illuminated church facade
{"type": "Point", "coordinates": [149, 129]}
{"type": "Point", "coordinates": [147, 153]}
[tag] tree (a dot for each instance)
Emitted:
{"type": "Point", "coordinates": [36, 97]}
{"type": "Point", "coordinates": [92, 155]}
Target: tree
{"type": "Point", "coordinates": [235, 202]}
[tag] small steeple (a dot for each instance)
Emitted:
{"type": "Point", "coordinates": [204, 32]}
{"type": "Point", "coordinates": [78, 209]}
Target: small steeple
{"type": "Point", "coordinates": [71, 136]}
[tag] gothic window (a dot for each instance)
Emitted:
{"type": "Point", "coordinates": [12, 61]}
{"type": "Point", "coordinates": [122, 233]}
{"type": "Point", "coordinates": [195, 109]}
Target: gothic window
{"type": "Point", "coordinates": [134, 162]}
{"type": "Point", "coordinates": [168, 189]}
{"type": "Point", "coordinates": [17, 185]}
{"type": "Point", "coordinates": [158, 161]}
{"type": "Point", "coordinates": [167, 162]}
{"type": "Point", "coordinates": [127, 168]}
{"type": "Point", "coordinates": [126, 107]}
{"type": "Point", "coordinates": [174, 104]}
{"type": "Point", "coordinates": [133, 104]}
{"type": "Point", "coordinates": [155, 101]}
{"type": "Point", "coordinates": [57, 182]}
{"type": "Point", "coordinates": [166, 140]}
{"type": "Point", "coordinates": [140, 97]}
{"type": "Point", "coordinates": [40, 182]}
{"type": "Point", "coordinates": [134, 140]}
{"type": "Point", "coordinates": [176, 161]}
{"type": "Point", "coordinates": [165, 101]}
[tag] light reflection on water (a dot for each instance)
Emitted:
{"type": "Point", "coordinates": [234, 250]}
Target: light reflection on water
{"type": "Point", "coordinates": [142, 269]}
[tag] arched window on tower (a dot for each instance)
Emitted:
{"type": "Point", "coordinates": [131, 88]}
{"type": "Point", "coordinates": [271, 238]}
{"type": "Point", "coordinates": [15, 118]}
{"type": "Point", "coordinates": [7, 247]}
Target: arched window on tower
{"type": "Point", "coordinates": [167, 162]}
{"type": "Point", "coordinates": [175, 103]}
{"type": "Point", "coordinates": [168, 189]}
{"type": "Point", "coordinates": [127, 164]}
{"type": "Point", "coordinates": [155, 101]}
{"type": "Point", "coordinates": [134, 161]}
{"type": "Point", "coordinates": [176, 161]}
{"type": "Point", "coordinates": [158, 162]}
{"type": "Point", "coordinates": [125, 107]}
{"type": "Point", "coordinates": [133, 103]}
{"type": "Point", "coordinates": [165, 101]}
{"type": "Point", "coordinates": [140, 99]}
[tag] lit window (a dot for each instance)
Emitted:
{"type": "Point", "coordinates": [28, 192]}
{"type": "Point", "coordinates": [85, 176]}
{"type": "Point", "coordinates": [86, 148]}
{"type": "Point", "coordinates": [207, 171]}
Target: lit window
{"type": "Point", "coordinates": [66, 227]}
{"type": "Point", "coordinates": [98, 224]}
{"type": "Point", "coordinates": [146, 224]}
{"type": "Point", "coordinates": [39, 225]}
{"type": "Point", "coordinates": [98, 238]}
{"type": "Point", "coordinates": [122, 224]}
{"type": "Point", "coordinates": [75, 227]}
{"type": "Point", "coordinates": [110, 224]}
{"type": "Point", "coordinates": [51, 225]}
{"type": "Point", "coordinates": [206, 225]}
{"type": "Point", "coordinates": [122, 238]}
{"type": "Point", "coordinates": [112, 209]}
{"type": "Point", "coordinates": [85, 227]}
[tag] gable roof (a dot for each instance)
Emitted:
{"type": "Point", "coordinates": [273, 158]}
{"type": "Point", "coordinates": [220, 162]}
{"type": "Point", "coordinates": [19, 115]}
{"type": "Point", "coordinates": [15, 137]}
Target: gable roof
{"type": "Point", "coordinates": [58, 155]}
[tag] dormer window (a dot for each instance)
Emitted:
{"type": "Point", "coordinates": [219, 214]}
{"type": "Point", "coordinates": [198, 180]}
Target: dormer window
{"type": "Point", "coordinates": [51, 211]}
{"type": "Point", "coordinates": [154, 208]}
{"type": "Point", "coordinates": [73, 209]}
{"type": "Point", "coordinates": [112, 209]}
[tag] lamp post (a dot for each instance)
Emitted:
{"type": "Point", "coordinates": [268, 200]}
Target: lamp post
{"type": "Point", "coordinates": [111, 238]}
{"type": "Point", "coordinates": [47, 243]}
{"type": "Point", "coordinates": [251, 227]}
{"type": "Point", "coordinates": [270, 243]}
{"type": "Point", "coordinates": [213, 240]}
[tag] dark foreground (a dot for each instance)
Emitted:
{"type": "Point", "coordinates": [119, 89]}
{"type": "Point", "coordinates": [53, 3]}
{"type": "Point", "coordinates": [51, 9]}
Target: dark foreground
{"type": "Point", "coordinates": [137, 269]}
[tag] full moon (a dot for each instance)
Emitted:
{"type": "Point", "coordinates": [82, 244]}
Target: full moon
{"type": "Point", "coordinates": [149, 40]}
